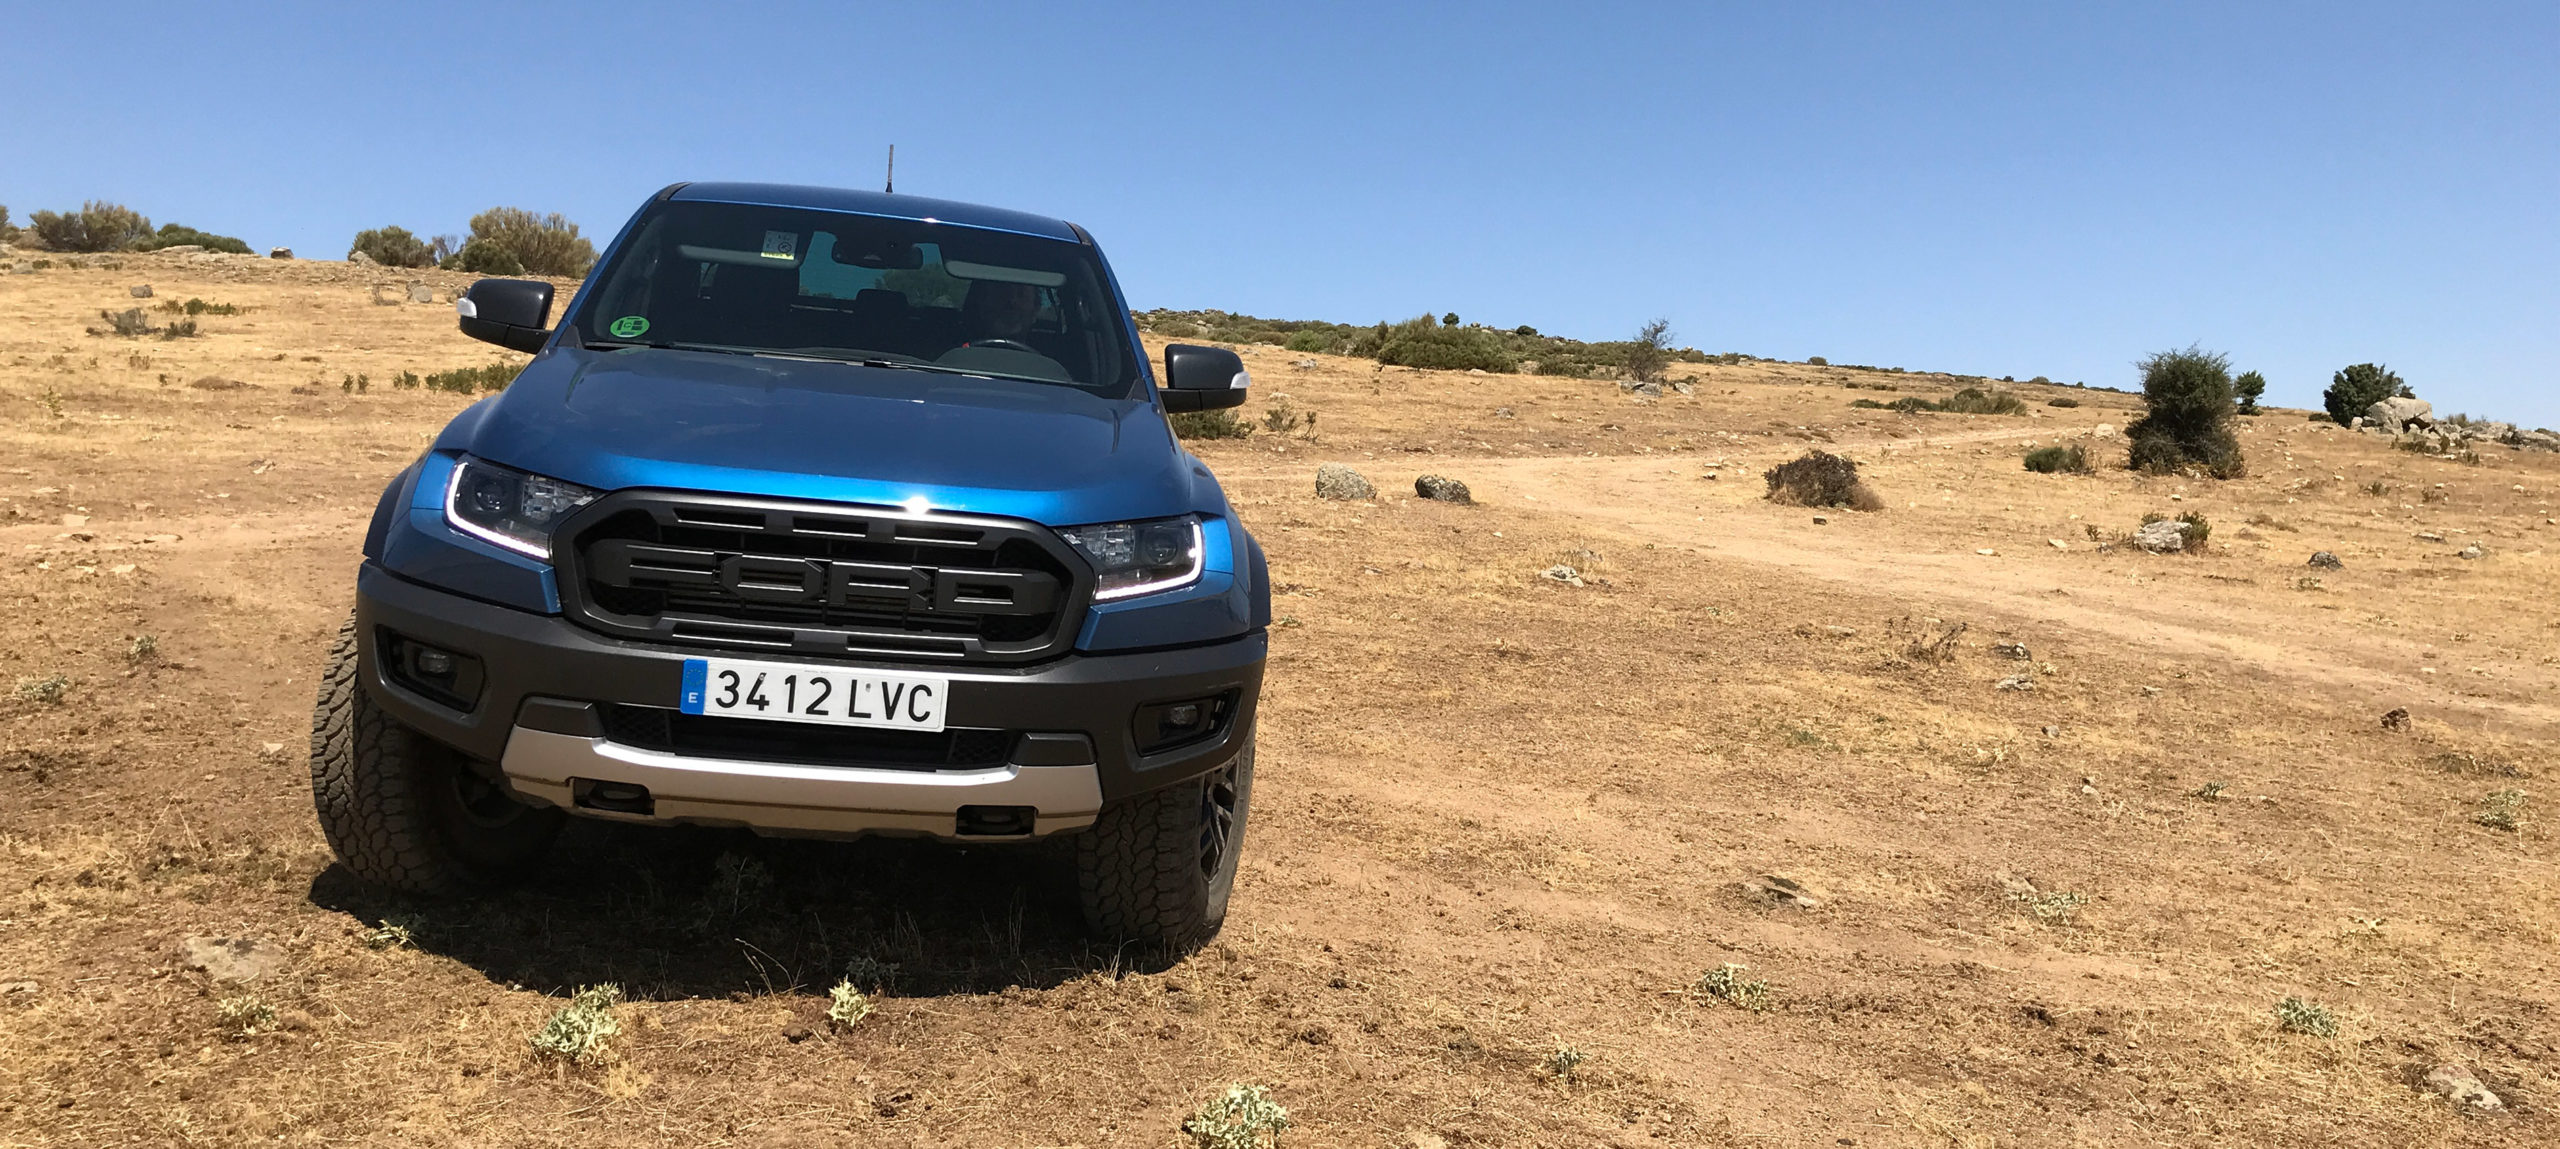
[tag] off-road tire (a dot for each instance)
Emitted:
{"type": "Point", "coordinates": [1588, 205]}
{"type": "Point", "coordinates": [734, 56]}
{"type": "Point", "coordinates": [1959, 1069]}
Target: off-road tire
{"type": "Point", "coordinates": [403, 811]}
{"type": "Point", "coordinates": [1145, 870]}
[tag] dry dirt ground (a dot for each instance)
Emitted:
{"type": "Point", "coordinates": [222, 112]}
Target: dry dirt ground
{"type": "Point", "coordinates": [1497, 815]}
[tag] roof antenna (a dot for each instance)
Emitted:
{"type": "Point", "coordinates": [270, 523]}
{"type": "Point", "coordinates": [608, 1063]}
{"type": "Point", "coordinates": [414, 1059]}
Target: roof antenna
{"type": "Point", "coordinates": [892, 185]}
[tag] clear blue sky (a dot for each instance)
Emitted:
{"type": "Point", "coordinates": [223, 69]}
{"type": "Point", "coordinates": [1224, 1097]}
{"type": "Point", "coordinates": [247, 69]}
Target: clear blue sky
{"type": "Point", "coordinates": [2010, 189]}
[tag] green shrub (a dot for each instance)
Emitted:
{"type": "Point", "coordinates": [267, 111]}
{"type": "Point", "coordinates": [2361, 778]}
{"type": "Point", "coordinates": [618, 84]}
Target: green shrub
{"type": "Point", "coordinates": [1237, 1119]}
{"type": "Point", "coordinates": [2188, 425]}
{"type": "Point", "coordinates": [465, 380]}
{"type": "Point", "coordinates": [1868, 404]}
{"type": "Point", "coordinates": [2064, 401]}
{"type": "Point", "coordinates": [2354, 389]}
{"type": "Point", "coordinates": [537, 244]}
{"type": "Point", "coordinates": [1820, 479]}
{"type": "Point", "coordinates": [1218, 424]}
{"type": "Point", "coordinates": [1309, 341]}
{"type": "Point", "coordinates": [1912, 405]}
{"type": "Point", "coordinates": [578, 1031]}
{"type": "Point", "coordinates": [2248, 387]}
{"type": "Point", "coordinates": [8, 231]}
{"type": "Point", "coordinates": [1817, 361]}
{"type": "Point", "coordinates": [392, 247]}
{"type": "Point", "coordinates": [2071, 460]}
{"type": "Point", "coordinates": [97, 226]}
{"type": "Point", "coordinates": [1426, 344]}
{"type": "Point", "coordinates": [1650, 351]}
{"type": "Point", "coordinates": [480, 257]}
{"type": "Point", "coordinates": [194, 306]}
{"type": "Point", "coordinates": [179, 234]}
{"type": "Point", "coordinates": [1726, 983]}
{"type": "Point", "coordinates": [1976, 401]}
{"type": "Point", "coordinates": [2296, 1015]}
{"type": "Point", "coordinates": [2041, 379]}
{"type": "Point", "coordinates": [1524, 330]}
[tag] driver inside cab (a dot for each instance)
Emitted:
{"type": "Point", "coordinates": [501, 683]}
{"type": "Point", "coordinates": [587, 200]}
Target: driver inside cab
{"type": "Point", "coordinates": [998, 312]}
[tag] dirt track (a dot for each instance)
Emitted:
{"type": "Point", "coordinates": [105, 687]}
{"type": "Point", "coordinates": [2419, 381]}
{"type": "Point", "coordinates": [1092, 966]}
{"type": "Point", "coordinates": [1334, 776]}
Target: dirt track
{"type": "Point", "coordinates": [1496, 814]}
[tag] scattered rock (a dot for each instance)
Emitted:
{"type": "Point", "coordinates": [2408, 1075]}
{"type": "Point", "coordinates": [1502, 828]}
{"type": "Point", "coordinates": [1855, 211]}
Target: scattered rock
{"type": "Point", "coordinates": [2396, 414]}
{"type": "Point", "coordinates": [2462, 1087]}
{"type": "Point", "coordinates": [2053, 732]}
{"type": "Point", "coordinates": [279, 253]}
{"type": "Point", "coordinates": [2168, 536]}
{"type": "Point", "coordinates": [2323, 560]}
{"type": "Point", "coordinates": [2470, 552]}
{"type": "Point", "coordinates": [1335, 481]}
{"type": "Point", "coordinates": [1822, 520]}
{"type": "Point", "coordinates": [360, 259]}
{"type": "Point", "coordinates": [1420, 1139]}
{"type": "Point", "coordinates": [1442, 490]}
{"type": "Point", "coordinates": [1563, 574]}
{"type": "Point", "coordinates": [1993, 552]}
{"type": "Point", "coordinates": [797, 1034]}
{"type": "Point", "coordinates": [1476, 371]}
{"type": "Point", "coordinates": [1786, 891]}
{"type": "Point", "coordinates": [1304, 365]}
{"type": "Point", "coordinates": [421, 293]}
{"type": "Point", "coordinates": [2058, 544]}
{"type": "Point", "coordinates": [2428, 537]}
{"type": "Point", "coordinates": [139, 291]}
{"type": "Point", "coordinates": [2012, 650]}
{"type": "Point", "coordinates": [1505, 413]}
{"type": "Point", "coordinates": [2017, 682]}
{"type": "Point", "coordinates": [231, 959]}
{"type": "Point", "coordinates": [2397, 719]}
{"type": "Point", "coordinates": [2103, 431]}
{"type": "Point", "coordinates": [1648, 390]}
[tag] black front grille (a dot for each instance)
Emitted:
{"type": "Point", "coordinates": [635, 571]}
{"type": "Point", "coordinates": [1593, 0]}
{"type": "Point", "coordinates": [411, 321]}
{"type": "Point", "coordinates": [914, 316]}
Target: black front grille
{"type": "Point", "coordinates": [819, 578]}
{"type": "Point", "coordinates": [804, 743]}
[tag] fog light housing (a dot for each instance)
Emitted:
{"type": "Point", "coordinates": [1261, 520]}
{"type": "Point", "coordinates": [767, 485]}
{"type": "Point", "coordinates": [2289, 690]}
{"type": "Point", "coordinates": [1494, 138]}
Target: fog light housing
{"type": "Point", "coordinates": [448, 678]}
{"type": "Point", "coordinates": [1172, 725]}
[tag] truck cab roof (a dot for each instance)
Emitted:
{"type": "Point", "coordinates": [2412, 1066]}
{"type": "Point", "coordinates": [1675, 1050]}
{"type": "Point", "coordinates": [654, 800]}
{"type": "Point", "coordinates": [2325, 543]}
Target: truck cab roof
{"type": "Point", "coordinates": [883, 204]}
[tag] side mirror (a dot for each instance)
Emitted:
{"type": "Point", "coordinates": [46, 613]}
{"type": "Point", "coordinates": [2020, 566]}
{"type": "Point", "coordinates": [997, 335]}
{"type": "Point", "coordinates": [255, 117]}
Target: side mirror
{"type": "Point", "coordinates": [512, 313]}
{"type": "Point", "coordinates": [1202, 378]}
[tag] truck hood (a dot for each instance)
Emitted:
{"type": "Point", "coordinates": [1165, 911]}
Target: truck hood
{"type": "Point", "coordinates": [837, 432]}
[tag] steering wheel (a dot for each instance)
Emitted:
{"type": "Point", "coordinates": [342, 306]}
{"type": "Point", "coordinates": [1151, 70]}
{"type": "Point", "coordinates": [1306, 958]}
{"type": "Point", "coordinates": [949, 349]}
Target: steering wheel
{"type": "Point", "coordinates": [1004, 344]}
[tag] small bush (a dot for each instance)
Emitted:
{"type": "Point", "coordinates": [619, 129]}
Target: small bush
{"type": "Point", "coordinates": [2501, 810]}
{"type": "Point", "coordinates": [2041, 379]}
{"type": "Point", "coordinates": [1820, 479]}
{"type": "Point", "coordinates": [1237, 1119]}
{"type": "Point", "coordinates": [847, 1005]}
{"type": "Point", "coordinates": [1449, 320]}
{"type": "Point", "coordinates": [1817, 361]}
{"type": "Point", "coordinates": [2070, 460]}
{"type": "Point", "coordinates": [144, 648]}
{"type": "Point", "coordinates": [1725, 983]}
{"type": "Point", "coordinates": [1282, 417]}
{"type": "Point", "coordinates": [245, 1016]}
{"type": "Point", "coordinates": [2188, 425]}
{"type": "Point", "coordinates": [1565, 1059]}
{"type": "Point", "coordinates": [1218, 424]}
{"type": "Point", "coordinates": [1868, 405]}
{"type": "Point", "coordinates": [2296, 1015]}
{"type": "Point", "coordinates": [47, 690]}
{"type": "Point", "coordinates": [1309, 342]}
{"type": "Point", "coordinates": [1432, 346]}
{"type": "Point", "coordinates": [2248, 387]}
{"type": "Point", "coordinates": [179, 329]}
{"type": "Point", "coordinates": [97, 226]}
{"type": "Point", "coordinates": [392, 247]}
{"type": "Point", "coordinates": [2064, 401]}
{"type": "Point", "coordinates": [195, 306]}
{"type": "Point", "coordinates": [1524, 330]}
{"type": "Point", "coordinates": [2354, 389]}
{"type": "Point", "coordinates": [179, 234]}
{"type": "Point", "coordinates": [578, 1031]}
{"type": "Point", "coordinates": [2061, 906]}
{"type": "Point", "coordinates": [8, 231]}
{"type": "Point", "coordinates": [397, 932]}
{"type": "Point", "coordinates": [466, 380]}
{"type": "Point", "coordinates": [1976, 401]}
{"type": "Point", "coordinates": [1650, 351]}
{"type": "Point", "coordinates": [532, 244]}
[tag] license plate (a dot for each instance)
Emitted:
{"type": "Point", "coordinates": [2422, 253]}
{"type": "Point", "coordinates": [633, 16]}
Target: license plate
{"type": "Point", "coordinates": [798, 692]}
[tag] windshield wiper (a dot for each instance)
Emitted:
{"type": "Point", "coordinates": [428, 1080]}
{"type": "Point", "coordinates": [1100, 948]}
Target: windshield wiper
{"type": "Point", "coordinates": [668, 345]}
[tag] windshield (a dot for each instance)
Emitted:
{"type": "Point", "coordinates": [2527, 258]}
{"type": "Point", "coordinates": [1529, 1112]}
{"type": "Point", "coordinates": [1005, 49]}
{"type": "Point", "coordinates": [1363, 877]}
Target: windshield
{"type": "Point", "coordinates": [829, 285]}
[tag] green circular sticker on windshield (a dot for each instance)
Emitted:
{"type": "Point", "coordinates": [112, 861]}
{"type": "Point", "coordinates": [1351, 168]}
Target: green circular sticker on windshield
{"type": "Point", "coordinates": [628, 327]}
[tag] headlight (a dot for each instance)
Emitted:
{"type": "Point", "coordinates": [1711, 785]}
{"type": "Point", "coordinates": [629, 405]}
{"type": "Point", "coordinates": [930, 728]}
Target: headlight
{"type": "Point", "coordinates": [509, 507]}
{"type": "Point", "coordinates": [1139, 558]}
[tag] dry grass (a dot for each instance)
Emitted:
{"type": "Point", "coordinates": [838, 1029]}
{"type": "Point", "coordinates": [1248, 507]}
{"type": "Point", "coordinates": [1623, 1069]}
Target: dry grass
{"type": "Point", "coordinates": [1495, 815]}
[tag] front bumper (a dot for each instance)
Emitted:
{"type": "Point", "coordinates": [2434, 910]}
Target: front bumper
{"type": "Point", "coordinates": [543, 677]}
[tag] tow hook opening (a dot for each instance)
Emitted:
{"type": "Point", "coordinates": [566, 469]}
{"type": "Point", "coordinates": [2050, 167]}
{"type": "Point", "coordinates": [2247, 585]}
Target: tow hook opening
{"type": "Point", "coordinates": [996, 821]}
{"type": "Point", "coordinates": [612, 797]}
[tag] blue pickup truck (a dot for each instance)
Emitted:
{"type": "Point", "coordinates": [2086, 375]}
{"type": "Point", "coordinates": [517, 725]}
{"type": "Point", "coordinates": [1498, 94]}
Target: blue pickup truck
{"type": "Point", "coordinates": [824, 513]}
